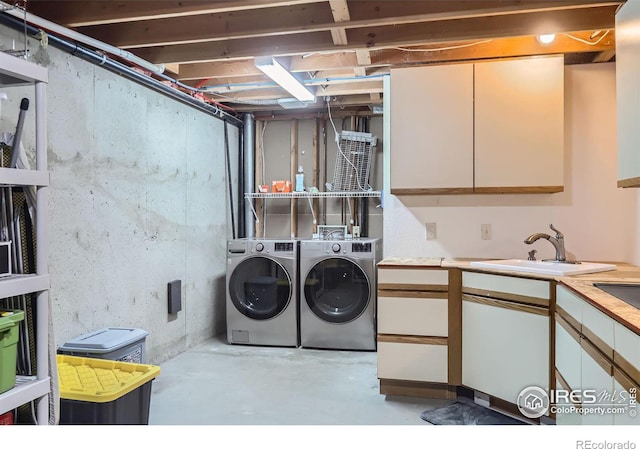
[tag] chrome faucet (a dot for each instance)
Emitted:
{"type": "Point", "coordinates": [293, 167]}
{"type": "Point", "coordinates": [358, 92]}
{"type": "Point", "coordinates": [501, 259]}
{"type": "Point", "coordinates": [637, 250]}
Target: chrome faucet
{"type": "Point", "coordinates": [557, 242]}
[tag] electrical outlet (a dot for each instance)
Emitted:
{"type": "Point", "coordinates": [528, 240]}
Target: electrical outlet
{"type": "Point", "coordinates": [432, 233]}
{"type": "Point", "coordinates": [485, 231]}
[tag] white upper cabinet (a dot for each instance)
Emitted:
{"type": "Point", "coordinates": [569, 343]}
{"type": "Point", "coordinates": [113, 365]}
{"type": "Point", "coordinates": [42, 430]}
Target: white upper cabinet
{"type": "Point", "coordinates": [519, 124]}
{"type": "Point", "coordinates": [490, 127]}
{"type": "Point", "coordinates": [628, 93]}
{"type": "Point", "coordinates": [432, 128]}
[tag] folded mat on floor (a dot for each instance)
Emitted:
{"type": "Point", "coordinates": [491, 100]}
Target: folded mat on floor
{"type": "Point", "coordinates": [467, 413]}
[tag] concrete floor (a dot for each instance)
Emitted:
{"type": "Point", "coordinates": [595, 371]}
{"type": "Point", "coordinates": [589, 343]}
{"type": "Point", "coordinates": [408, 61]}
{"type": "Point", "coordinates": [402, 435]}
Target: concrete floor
{"type": "Point", "coordinates": [220, 384]}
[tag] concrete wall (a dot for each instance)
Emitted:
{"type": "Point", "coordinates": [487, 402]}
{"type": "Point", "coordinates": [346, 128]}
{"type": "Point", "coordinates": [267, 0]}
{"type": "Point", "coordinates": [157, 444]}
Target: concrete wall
{"type": "Point", "coordinates": [277, 147]}
{"type": "Point", "coordinates": [137, 199]}
{"type": "Point", "coordinates": [598, 219]}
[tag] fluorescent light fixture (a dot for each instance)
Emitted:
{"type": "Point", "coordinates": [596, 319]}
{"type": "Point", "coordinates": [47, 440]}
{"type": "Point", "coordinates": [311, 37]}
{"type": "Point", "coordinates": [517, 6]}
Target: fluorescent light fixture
{"type": "Point", "coordinates": [546, 38]}
{"type": "Point", "coordinates": [270, 67]}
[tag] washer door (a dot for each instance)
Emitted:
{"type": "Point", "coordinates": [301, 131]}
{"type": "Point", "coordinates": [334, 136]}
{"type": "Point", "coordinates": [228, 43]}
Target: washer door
{"type": "Point", "coordinates": [260, 288]}
{"type": "Point", "coordinates": [336, 290]}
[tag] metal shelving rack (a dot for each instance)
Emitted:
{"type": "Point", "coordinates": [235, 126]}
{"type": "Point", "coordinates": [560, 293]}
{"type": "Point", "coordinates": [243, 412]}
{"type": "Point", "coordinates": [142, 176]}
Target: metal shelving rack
{"type": "Point", "coordinates": [308, 195]}
{"type": "Point", "coordinates": [364, 194]}
{"type": "Point", "coordinates": [19, 72]}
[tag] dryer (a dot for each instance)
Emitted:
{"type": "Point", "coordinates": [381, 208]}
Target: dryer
{"type": "Point", "coordinates": [338, 293]}
{"type": "Point", "coordinates": [262, 292]}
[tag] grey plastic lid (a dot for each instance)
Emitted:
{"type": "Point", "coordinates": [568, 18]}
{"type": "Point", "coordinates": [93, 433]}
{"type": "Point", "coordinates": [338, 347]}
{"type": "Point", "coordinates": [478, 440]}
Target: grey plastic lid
{"type": "Point", "coordinates": [104, 340]}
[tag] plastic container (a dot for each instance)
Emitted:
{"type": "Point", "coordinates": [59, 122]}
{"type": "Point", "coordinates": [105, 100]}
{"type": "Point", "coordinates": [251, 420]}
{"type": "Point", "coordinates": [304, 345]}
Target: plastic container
{"type": "Point", "coordinates": [113, 343]}
{"type": "Point", "coordinates": [9, 347]}
{"type": "Point", "coordinates": [98, 391]}
{"type": "Point", "coordinates": [6, 419]}
{"type": "Point", "coordinates": [300, 180]}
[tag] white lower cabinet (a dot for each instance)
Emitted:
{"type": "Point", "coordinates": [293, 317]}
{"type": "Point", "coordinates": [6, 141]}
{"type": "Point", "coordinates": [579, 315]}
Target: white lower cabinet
{"type": "Point", "coordinates": [412, 361]}
{"type": "Point", "coordinates": [596, 358]}
{"type": "Point", "coordinates": [413, 330]}
{"type": "Point", "coordinates": [505, 347]}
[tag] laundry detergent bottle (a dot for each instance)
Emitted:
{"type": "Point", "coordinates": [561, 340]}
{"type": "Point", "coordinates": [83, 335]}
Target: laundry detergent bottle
{"type": "Point", "coordinates": [300, 180]}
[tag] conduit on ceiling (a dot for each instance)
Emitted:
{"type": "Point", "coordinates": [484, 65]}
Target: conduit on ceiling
{"type": "Point", "coordinates": [7, 18]}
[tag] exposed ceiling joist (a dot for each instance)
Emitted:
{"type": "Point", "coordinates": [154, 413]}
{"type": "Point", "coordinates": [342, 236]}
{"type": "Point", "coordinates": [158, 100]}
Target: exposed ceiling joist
{"type": "Point", "coordinates": [338, 47]}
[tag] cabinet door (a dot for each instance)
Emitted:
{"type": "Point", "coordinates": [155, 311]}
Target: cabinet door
{"type": "Point", "coordinates": [597, 378]}
{"type": "Point", "coordinates": [505, 347]}
{"type": "Point", "coordinates": [568, 354]}
{"type": "Point", "coordinates": [431, 128]}
{"type": "Point", "coordinates": [628, 93]}
{"type": "Point", "coordinates": [519, 124]}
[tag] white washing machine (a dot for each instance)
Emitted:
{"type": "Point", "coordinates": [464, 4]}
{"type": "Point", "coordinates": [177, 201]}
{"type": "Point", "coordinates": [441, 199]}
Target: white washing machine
{"type": "Point", "coordinates": [262, 292]}
{"type": "Point", "coordinates": [338, 293]}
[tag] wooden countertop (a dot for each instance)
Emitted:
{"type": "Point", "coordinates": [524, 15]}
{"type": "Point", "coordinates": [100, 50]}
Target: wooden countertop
{"type": "Point", "coordinates": [410, 261]}
{"type": "Point", "coordinates": [581, 284]}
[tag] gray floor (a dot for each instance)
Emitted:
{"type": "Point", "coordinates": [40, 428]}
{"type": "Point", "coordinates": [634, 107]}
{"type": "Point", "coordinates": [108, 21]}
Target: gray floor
{"type": "Point", "coordinates": [220, 384]}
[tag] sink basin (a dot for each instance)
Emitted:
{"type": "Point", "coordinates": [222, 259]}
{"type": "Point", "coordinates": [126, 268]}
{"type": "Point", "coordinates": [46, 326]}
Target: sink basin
{"type": "Point", "coordinates": [543, 267]}
{"type": "Point", "coordinates": [629, 293]}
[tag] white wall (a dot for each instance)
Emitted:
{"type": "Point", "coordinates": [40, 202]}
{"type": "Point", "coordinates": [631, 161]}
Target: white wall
{"type": "Point", "coordinates": [598, 219]}
{"type": "Point", "coordinates": [137, 199]}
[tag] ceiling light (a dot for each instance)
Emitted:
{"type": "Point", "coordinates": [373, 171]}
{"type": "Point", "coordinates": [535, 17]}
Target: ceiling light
{"type": "Point", "coordinates": [270, 67]}
{"type": "Point", "coordinates": [546, 38]}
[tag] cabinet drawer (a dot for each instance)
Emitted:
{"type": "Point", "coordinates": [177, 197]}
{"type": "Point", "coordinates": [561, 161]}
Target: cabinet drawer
{"type": "Point", "coordinates": [568, 355]}
{"type": "Point", "coordinates": [598, 328]}
{"type": "Point", "coordinates": [627, 351]}
{"type": "Point", "coordinates": [413, 278]}
{"type": "Point", "coordinates": [413, 316]}
{"type": "Point", "coordinates": [507, 285]}
{"type": "Point", "coordinates": [412, 361]}
{"type": "Point", "coordinates": [570, 302]}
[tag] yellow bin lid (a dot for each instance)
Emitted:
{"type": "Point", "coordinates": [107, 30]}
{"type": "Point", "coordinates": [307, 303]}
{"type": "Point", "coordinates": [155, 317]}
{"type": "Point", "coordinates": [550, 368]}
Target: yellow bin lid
{"type": "Point", "coordinates": [99, 380]}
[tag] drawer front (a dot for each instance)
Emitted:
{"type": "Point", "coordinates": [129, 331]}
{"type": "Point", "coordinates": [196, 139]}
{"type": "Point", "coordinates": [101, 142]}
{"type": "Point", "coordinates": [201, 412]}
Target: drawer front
{"type": "Point", "coordinates": [568, 357]}
{"type": "Point", "coordinates": [599, 324]}
{"type": "Point", "coordinates": [627, 344]}
{"type": "Point", "coordinates": [570, 416]}
{"type": "Point", "coordinates": [412, 276]}
{"type": "Point", "coordinates": [413, 316]}
{"type": "Point", "coordinates": [409, 361]}
{"type": "Point", "coordinates": [570, 302]}
{"type": "Point", "coordinates": [506, 284]}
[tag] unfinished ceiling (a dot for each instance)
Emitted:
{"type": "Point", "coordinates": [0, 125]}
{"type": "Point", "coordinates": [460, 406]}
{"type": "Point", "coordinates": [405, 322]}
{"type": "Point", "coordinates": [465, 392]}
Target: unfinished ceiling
{"type": "Point", "coordinates": [339, 48]}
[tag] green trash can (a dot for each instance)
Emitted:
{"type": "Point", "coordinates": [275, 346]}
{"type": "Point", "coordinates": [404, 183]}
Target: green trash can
{"type": "Point", "coordinates": [9, 320]}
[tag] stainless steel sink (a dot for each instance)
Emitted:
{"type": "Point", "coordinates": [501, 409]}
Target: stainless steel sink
{"type": "Point", "coordinates": [629, 293]}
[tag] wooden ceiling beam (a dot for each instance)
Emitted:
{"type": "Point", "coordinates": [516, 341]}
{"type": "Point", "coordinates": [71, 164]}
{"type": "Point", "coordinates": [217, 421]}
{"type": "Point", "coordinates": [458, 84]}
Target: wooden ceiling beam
{"type": "Point", "coordinates": [340, 12]}
{"type": "Point", "coordinates": [385, 37]}
{"type": "Point", "coordinates": [342, 107]}
{"type": "Point", "coordinates": [74, 14]}
{"type": "Point", "coordinates": [213, 27]}
{"type": "Point", "coordinates": [296, 19]}
{"type": "Point", "coordinates": [497, 48]}
{"type": "Point", "coordinates": [339, 64]}
{"type": "Point", "coordinates": [349, 88]}
{"type": "Point", "coordinates": [485, 28]}
{"type": "Point", "coordinates": [218, 69]}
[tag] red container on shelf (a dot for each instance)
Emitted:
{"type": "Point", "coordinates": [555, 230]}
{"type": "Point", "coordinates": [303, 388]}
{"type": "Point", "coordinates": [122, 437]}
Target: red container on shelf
{"type": "Point", "coordinates": [6, 419]}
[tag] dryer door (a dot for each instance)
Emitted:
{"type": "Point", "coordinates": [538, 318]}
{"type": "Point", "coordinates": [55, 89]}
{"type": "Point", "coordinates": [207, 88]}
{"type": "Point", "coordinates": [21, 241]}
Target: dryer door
{"type": "Point", "coordinates": [260, 288]}
{"type": "Point", "coordinates": [337, 290]}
